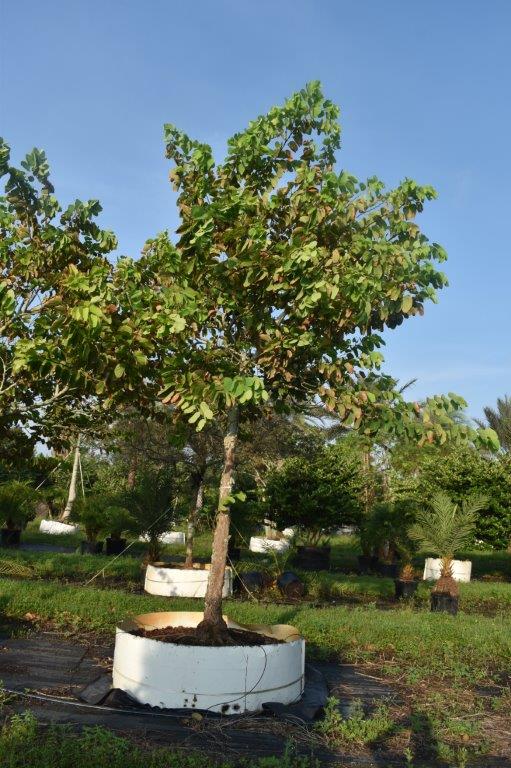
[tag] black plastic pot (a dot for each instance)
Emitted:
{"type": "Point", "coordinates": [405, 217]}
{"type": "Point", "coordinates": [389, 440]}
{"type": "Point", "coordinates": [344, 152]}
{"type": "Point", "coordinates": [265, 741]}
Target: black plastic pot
{"type": "Point", "coordinates": [91, 547]}
{"type": "Point", "coordinates": [365, 564]}
{"type": "Point", "coordinates": [390, 570]}
{"type": "Point", "coordinates": [405, 589]}
{"type": "Point", "coordinates": [251, 581]}
{"type": "Point", "coordinates": [115, 546]}
{"type": "Point", "coordinates": [312, 558]}
{"type": "Point", "coordinates": [10, 537]}
{"type": "Point", "coordinates": [444, 602]}
{"type": "Point", "coordinates": [291, 585]}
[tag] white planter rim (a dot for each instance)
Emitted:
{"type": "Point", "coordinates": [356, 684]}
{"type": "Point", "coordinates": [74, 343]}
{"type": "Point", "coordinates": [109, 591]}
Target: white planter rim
{"type": "Point", "coordinates": [461, 569]}
{"type": "Point", "coordinates": [182, 567]}
{"type": "Point", "coordinates": [265, 545]}
{"type": "Point", "coordinates": [182, 582]}
{"type": "Point", "coordinates": [162, 619]}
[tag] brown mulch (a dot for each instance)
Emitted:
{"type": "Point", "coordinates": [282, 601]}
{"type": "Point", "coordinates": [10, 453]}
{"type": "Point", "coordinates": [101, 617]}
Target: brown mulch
{"type": "Point", "coordinates": [190, 636]}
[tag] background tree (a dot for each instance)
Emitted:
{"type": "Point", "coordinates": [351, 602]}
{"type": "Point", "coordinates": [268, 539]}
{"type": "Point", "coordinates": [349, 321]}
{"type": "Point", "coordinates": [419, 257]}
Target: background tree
{"type": "Point", "coordinates": [284, 273]}
{"type": "Point", "coordinates": [499, 419]}
{"type": "Point", "coordinates": [458, 471]}
{"type": "Point", "coordinates": [63, 340]}
{"type": "Point", "coordinates": [317, 495]}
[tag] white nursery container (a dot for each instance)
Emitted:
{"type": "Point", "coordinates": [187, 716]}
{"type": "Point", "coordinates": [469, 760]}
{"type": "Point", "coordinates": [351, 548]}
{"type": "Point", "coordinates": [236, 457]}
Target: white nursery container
{"type": "Point", "coordinates": [260, 544]}
{"type": "Point", "coordinates": [461, 569]}
{"type": "Point", "coordinates": [229, 679]}
{"type": "Point", "coordinates": [54, 528]}
{"type": "Point", "coordinates": [170, 537]}
{"type": "Point", "coordinates": [289, 533]}
{"type": "Point", "coordinates": [182, 582]}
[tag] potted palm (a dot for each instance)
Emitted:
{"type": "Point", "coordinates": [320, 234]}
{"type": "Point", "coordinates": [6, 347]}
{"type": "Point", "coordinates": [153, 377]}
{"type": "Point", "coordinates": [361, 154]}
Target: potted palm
{"type": "Point", "coordinates": [16, 509]}
{"type": "Point", "coordinates": [406, 583]}
{"type": "Point", "coordinates": [445, 529]}
{"type": "Point", "coordinates": [117, 520]}
{"type": "Point", "coordinates": [90, 513]}
{"type": "Point", "coordinates": [150, 503]}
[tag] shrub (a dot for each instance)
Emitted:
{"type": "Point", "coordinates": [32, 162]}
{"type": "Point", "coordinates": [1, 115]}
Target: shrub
{"type": "Point", "coordinates": [318, 495]}
{"type": "Point", "coordinates": [460, 472]}
{"type": "Point", "coordinates": [16, 504]}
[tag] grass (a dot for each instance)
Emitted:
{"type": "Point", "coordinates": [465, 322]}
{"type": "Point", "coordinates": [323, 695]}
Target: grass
{"type": "Point", "coordinates": [127, 573]}
{"type": "Point", "coordinates": [437, 662]}
{"type": "Point", "coordinates": [466, 647]}
{"type": "Point", "coordinates": [24, 744]}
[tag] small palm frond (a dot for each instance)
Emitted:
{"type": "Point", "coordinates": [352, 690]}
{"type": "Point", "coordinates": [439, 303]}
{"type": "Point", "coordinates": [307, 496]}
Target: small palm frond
{"type": "Point", "coordinates": [13, 568]}
{"type": "Point", "coordinates": [447, 527]}
{"type": "Point", "coordinates": [499, 419]}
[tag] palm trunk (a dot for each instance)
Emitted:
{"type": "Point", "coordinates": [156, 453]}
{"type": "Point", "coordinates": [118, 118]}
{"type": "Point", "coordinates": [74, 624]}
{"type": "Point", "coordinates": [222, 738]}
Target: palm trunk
{"type": "Point", "coordinates": [213, 625]}
{"type": "Point", "coordinates": [192, 521]}
{"type": "Point", "coordinates": [72, 485]}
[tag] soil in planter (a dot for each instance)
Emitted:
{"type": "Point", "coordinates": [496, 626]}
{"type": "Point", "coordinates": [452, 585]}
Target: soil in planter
{"type": "Point", "coordinates": [180, 566]}
{"type": "Point", "coordinates": [189, 636]}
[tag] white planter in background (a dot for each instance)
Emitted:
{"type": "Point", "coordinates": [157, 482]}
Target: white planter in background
{"type": "Point", "coordinates": [54, 528]}
{"type": "Point", "coordinates": [182, 582]}
{"type": "Point", "coordinates": [461, 569]}
{"type": "Point", "coordinates": [260, 544]}
{"type": "Point", "coordinates": [228, 679]}
{"type": "Point", "coordinates": [170, 537]}
{"type": "Point", "coordinates": [346, 530]}
{"type": "Point", "coordinates": [289, 533]}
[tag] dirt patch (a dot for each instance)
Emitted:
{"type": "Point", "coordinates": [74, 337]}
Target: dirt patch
{"type": "Point", "coordinates": [189, 636]}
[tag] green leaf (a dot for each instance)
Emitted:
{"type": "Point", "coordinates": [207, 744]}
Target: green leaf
{"type": "Point", "coordinates": [407, 303]}
{"type": "Point", "coordinates": [206, 410]}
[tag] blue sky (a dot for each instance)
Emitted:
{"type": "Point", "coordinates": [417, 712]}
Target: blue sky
{"type": "Point", "coordinates": [423, 89]}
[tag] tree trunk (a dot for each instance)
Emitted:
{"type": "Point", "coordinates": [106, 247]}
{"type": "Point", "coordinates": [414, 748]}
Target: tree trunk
{"type": "Point", "coordinates": [192, 520]}
{"type": "Point", "coordinates": [213, 626]}
{"type": "Point", "coordinates": [132, 472]}
{"type": "Point", "coordinates": [366, 463]}
{"type": "Point", "coordinates": [72, 485]}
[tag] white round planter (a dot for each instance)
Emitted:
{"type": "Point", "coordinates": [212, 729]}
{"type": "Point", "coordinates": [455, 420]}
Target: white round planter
{"type": "Point", "coordinates": [260, 544]}
{"type": "Point", "coordinates": [461, 569]}
{"type": "Point", "coordinates": [346, 530]}
{"type": "Point", "coordinates": [54, 528]}
{"type": "Point", "coordinates": [229, 679]}
{"type": "Point", "coordinates": [289, 533]}
{"type": "Point", "coordinates": [182, 582]}
{"type": "Point", "coordinates": [170, 537]}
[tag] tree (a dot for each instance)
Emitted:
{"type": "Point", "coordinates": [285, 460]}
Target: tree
{"type": "Point", "coordinates": [63, 341]}
{"type": "Point", "coordinates": [164, 442]}
{"type": "Point", "coordinates": [499, 419]}
{"type": "Point", "coordinates": [283, 275]}
{"type": "Point", "coordinates": [317, 495]}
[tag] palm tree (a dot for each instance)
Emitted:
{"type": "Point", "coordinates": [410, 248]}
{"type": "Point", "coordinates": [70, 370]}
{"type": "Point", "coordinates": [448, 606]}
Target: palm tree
{"type": "Point", "coordinates": [445, 529]}
{"type": "Point", "coordinates": [499, 419]}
